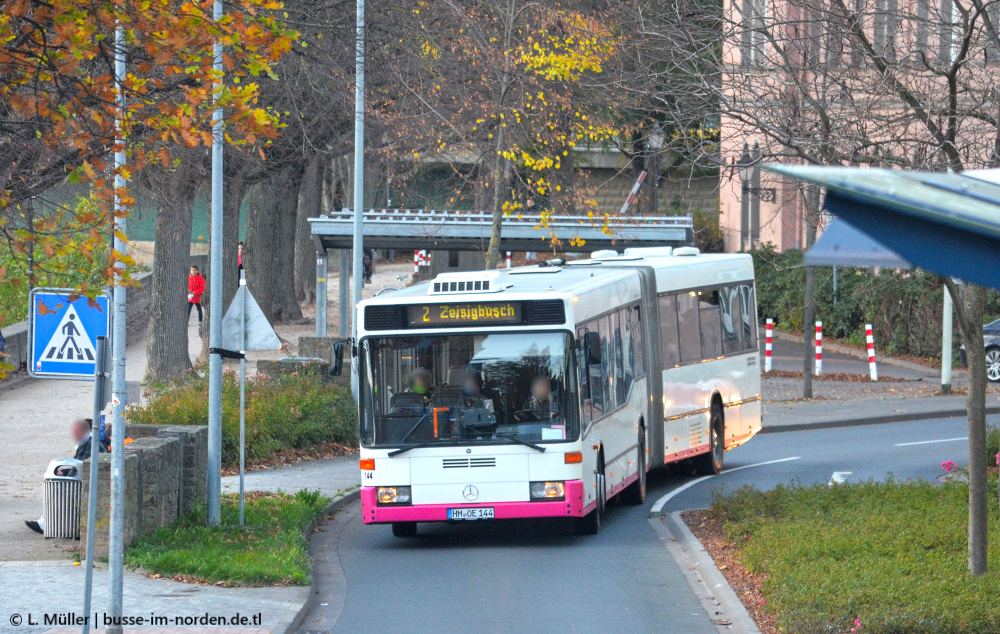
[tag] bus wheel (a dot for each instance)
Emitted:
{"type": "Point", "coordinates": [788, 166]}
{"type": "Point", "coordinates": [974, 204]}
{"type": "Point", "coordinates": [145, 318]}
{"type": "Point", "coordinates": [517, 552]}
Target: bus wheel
{"type": "Point", "coordinates": [711, 463]}
{"type": "Point", "coordinates": [590, 524]}
{"type": "Point", "coordinates": [404, 529]}
{"type": "Point", "coordinates": [636, 492]}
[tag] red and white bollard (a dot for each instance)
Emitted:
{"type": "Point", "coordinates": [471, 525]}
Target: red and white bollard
{"type": "Point", "coordinates": [871, 352]}
{"type": "Point", "coordinates": [508, 259]}
{"type": "Point", "coordinates": [819, 349]}
{"type": "Point", "coordinates": [416, 261]}
{"type": "Point", "coordinates": [768, 334]}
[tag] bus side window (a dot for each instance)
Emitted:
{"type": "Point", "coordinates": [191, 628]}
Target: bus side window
{"type": "Point", "coordinates": [688, 326]}
{"type": "Point", "coordinates": [711, 329]}
{"type": "Point", "coordinates": [600, 374]}
{"type": "Point", "coordinates": [669, 348]}
{"type": "Point", "coordinates": [638, 360]}
{"type": "Point", "coordinates": [584, 373]}
{"type": "Point", "coordinates": [749, 317]}
{"type": "Point", "coordinates": [732, 319]}
{"type": "Point", "coordinates": [628, 348]}
{"type": "Point", "coordinates": [618, 360]}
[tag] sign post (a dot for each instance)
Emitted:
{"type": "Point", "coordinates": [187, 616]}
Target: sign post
{"type": "Point", "coordinates": [245, 327]}
{"type": "Point", "coordinates": [100, 377]}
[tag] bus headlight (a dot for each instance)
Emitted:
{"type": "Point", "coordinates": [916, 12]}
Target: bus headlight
{"type": "Point", "coordinates": [547, 491]}
{"type": "Point", "coordinates": [392, 495]}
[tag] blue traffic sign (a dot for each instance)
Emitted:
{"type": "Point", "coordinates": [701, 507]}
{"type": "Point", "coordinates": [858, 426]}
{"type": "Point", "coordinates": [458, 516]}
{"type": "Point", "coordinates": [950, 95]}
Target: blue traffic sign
{"type": "Point", "coordinates": [63, 334]}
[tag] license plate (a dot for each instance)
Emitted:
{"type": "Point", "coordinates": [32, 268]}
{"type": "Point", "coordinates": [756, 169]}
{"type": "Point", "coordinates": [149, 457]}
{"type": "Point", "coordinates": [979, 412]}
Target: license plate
{"type": "Point", "coordinates": [483, 513]}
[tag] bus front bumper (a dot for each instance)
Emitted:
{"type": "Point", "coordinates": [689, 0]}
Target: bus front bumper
{"type": "Point", "coordinates": [572, 506]}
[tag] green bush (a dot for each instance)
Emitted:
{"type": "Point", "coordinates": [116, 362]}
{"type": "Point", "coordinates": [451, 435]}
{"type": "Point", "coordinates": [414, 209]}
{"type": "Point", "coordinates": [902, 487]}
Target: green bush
{"type": "Point", "coordinates": [890, 554]}
{"type": "Point", "coordinates": [904, 307]}
{"type": "Point", "coordinates": [289, 411]}
{"type": "Point", "coordinates": [269, 549]}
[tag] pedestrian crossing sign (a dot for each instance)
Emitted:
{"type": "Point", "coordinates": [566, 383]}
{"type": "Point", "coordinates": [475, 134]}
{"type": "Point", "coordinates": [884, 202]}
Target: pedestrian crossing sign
{"type": "Point", "coordinates": [64, 333]}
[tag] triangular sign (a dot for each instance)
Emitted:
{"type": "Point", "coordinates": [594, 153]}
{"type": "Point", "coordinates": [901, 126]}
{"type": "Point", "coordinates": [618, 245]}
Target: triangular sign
{"type": "Point", "coordinates": [70, 342]}
{"type": "Point", "coordinates": [259, 334]}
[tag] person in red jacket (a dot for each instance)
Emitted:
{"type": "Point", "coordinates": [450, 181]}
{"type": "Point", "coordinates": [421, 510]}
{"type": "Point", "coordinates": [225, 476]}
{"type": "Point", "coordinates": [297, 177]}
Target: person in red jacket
{"type": "Point", "coordinates": [196, 287]}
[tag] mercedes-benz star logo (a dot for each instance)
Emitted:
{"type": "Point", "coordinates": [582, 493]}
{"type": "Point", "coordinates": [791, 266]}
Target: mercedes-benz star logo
{"type": "Point", "coordinates": [470, 493]}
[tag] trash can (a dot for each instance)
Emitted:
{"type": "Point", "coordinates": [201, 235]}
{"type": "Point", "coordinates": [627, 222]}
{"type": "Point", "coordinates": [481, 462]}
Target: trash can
{"type": "Point", "coordinates": [63, 492]}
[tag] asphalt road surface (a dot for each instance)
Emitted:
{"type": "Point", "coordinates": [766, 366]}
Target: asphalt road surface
{"type": "Point", "coordinates": [530, 577]}
{"type": "Point", "coordinates": [788, 356]}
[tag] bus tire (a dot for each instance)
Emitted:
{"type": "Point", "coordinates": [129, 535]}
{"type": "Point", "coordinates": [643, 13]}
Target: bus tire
{"type": "Point", "coordinates": [404, 529]}
{"type": "Point", "coordinates": [635, 494]}
{"type": "Point", "coordinates": [711, 463]}
{"type": "Point", "coordinates": [590, 524]}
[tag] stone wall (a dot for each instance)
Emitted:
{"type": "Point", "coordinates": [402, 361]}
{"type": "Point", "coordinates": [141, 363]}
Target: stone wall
{"type": "Point", "coordinates": [166, 467]}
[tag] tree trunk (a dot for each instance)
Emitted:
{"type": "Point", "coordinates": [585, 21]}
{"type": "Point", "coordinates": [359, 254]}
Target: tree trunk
{"type": "Point", "coordinates": [310, 203]}
{"type": "Point", "coordinates": [167, 351]}
{"type": "Point", "coordinates": [807, 362]}
{"type": "Point", "coordinates": [270, 245]}
{"type": "Point", "coordinates": [969, 311]}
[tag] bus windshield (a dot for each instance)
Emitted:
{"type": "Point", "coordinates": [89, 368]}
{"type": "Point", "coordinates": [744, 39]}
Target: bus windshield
{"type": "Point", "coordinates": [467, 389]}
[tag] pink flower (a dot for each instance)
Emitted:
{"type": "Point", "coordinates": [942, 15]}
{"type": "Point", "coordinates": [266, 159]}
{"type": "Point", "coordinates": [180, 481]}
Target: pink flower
{"type": "Point", "coordinates": [762, 601]}
{"type": "Point", "coordinates": [998, 459]}
{"type": "Point", "coordinates": [948, 465]}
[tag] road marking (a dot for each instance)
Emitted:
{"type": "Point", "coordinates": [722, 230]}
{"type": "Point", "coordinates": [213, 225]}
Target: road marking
{"type": "Point", "coordinates": [666, 498]}
{"type": "Point", "coordinates": [929, 442]}
{"type": "Point", "coordinates": [839, 477]}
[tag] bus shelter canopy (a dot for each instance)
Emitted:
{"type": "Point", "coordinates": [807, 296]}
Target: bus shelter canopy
{"type": "Point", "coordinates": [944, 223]}
{"type": "Point", "coordinates": [470, 231]}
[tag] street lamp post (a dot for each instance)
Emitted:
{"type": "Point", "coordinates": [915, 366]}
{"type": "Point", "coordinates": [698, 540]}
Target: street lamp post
{"type": "Point", "coordinates": [656, 141]}
{"type": "Point", "coordinates": [744, 167]}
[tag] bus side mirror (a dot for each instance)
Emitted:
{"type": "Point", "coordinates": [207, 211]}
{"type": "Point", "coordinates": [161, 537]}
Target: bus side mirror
{"type": "Point", "coordinates": [592, 348]}
{"type": "Point", "coordinates": [337, 365]}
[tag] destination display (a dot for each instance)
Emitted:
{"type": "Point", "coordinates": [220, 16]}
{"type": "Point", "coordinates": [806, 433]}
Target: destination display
{"type": "Point", "coordinates": [468, 314]}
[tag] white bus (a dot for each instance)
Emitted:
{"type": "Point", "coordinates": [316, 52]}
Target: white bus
{"type": "Point", "coordinates": [545, 391]}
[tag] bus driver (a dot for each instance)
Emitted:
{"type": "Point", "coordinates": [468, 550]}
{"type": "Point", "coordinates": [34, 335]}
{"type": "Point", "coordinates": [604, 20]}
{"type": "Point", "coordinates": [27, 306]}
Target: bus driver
{"type": "Point", "coordinates": [540, 406]}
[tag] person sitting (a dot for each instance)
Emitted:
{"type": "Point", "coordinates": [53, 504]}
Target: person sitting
{"type": "Point", "coordinates": [472, 392]}
{"type": "Point", "coordinates": [422, 382]}
{"type": "Point", "coordinates": [540, 406]}
{"type": "Point", "coordinates": [81, 431]}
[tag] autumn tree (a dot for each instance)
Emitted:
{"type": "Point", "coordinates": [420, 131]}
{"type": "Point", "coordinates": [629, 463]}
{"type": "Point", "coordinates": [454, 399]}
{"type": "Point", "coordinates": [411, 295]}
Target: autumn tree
{"type": "Point", "coordinates": [513, 86]}
{"type": "Point", "coordinates": [57, 90]}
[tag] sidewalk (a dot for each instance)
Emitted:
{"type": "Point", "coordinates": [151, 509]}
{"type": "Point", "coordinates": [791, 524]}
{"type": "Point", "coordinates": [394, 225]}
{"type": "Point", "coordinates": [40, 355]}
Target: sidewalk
{"type": "Point", "coordinates": [821, 414]}
{"type": "Point", "coordinates": [278, 607]}
{"type": "Point", "coordinates": [333, 477]}
{"type": "Point", "coordinates": [37, 588]}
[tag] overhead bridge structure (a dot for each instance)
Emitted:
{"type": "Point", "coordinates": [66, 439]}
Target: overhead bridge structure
{"type": "Point", "coordinates": [413, 229]}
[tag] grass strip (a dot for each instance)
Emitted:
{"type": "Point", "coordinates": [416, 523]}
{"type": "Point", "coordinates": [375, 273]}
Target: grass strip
{"type": "Point", "coordinates": [269, 550]}
{"type": "Point", "coordinates": [875, 557]}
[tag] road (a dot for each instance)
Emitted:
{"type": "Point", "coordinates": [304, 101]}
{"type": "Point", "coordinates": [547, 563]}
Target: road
{"type": "Point", "coordinates": [526, 577]}
{"type": "Point", "coordinates": [787, 357]}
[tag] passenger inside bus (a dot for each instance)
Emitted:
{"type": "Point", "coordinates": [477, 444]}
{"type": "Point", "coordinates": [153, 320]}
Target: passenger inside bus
{"type": "Point", "coordinates": [540, 406]}
{"type": "Point", "coordinates": [422, 382]}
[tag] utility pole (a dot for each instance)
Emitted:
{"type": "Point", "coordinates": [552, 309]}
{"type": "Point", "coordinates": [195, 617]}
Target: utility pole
{"type": "Point", "coordinates": [215, 302]}
{"type": "Point", "coordinates": [359, 176]}
{"type": "Point", "coordinates": [116, 538]}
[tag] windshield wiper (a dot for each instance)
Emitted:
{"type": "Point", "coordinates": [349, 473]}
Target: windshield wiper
{"type": "Point", "coordinates": [426, 443]}
{"type": "Point", "coordinates": [514, 438]}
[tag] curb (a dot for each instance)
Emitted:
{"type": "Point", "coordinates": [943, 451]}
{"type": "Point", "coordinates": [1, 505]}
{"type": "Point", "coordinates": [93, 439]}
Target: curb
{"type": "Point", "coordinates": [710, 586]}
{"type": "Point", "coordinates": [304, 597]}
{"type": "Point", "coordinates": [859, 354]}
{"type": "Point", "coordinates": [875, 420]}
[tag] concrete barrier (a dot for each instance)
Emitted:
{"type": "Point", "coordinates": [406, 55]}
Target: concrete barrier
{"type": "Point", "coordinates": [166, 467]}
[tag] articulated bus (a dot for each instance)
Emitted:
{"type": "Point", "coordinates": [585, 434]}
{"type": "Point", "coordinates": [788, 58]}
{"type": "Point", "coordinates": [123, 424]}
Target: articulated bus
{"type": "Point", "coordinates": [546, 391]}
